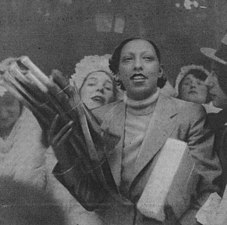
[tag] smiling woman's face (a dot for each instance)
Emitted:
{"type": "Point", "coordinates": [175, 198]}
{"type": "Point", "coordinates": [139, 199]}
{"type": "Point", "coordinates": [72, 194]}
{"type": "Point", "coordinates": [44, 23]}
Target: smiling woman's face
{"type": "Point", "coordinates": [139, 69]}
{"type": "Point", "coordinates": [97, 90]}
{"type": "Point", "coordinates": [193, 89]}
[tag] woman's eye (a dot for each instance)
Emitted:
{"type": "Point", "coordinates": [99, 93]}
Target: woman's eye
{"type": "Point", "coordinates": [91, 84]}
{"type": "Point", "coordinates": [202, 83]}
{"type": "Point", "coordinates": [148, 58]}
{"type": "Point", "coordinates": [186, 83]}
{"type": "Point", "coordinates": [108, 88]}
{"type": "Point", "coordinates": [9, 103]}
{"type": "Point", "coordinates": [126, 59]}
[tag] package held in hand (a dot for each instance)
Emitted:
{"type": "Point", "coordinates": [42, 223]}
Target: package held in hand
{"type": "Point", "coordinates": [171, 182]}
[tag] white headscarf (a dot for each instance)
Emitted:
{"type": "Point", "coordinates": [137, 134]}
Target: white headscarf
{"type": "Point", "coordinates": [88, 65]}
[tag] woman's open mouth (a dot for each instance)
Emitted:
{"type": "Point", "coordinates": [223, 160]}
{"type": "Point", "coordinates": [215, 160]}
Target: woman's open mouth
{"type": "Point", "coordinates": [138, 77]}
{"type": "Point", "coordinates": [98, 99]}
{"type": "Point", "coordinates": [192, 92]}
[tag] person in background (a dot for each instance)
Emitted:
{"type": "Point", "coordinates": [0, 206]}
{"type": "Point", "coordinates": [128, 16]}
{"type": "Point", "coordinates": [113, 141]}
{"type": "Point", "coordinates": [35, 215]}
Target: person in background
{"type": "Point", "coordinates": [143, 118]}
{"type": "Point", "coordinates": [95, 83]}
{"type": "Point", "coordinates": [24, 204]}
{"type": "Point", "coordinates": [217, 86]}
{"type": "Point", "coordinates": [21, 151]}
{"type": "Point", "coordinates": [190, 86]}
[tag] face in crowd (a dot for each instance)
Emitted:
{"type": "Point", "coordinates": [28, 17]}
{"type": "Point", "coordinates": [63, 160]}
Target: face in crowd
{"type": "Point", "coordinates": [216, 86]}
{"type": "Point", "coordinates": [138, 68]}
{"type": "Point", "coordinates": [193, 88]}
{"type": "Point", "coordinates": [97, 90]}
{"type": "Point", "coordinates": [10, 110]}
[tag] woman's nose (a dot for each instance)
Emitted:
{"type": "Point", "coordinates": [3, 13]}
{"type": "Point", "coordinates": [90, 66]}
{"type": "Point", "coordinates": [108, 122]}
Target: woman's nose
{"type": "Point", "coordinates": [100, 88]}
{"type": "Point", "coordinates": [137, 64]}
{"type": "Point", "coordinates": [193, 85]}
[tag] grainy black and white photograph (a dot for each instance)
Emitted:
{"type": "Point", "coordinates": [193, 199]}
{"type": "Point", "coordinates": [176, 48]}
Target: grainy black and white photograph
{"type": "Point", "coordinates": [113, 112]}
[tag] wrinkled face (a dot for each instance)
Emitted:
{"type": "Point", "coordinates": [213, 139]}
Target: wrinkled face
{"type": "Point", "coordinates": [139, 69]}
{"type": "Point", "coordinates": [218, 97]}
{"type": "Point", "coordinates": [193, 89]}
{"type": "Point", "coordinates": [9, 111]}
{"type": "Point", "coordinates": [97, 90]}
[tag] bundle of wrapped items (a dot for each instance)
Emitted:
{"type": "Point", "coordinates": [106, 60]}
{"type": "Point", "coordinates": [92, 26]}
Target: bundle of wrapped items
{"type": "Point", "coordinates": [47, 97]}
{"type": "Point", "coordinates": [214, 210]}
{"type": "Point", "coordinates": [172, 182]}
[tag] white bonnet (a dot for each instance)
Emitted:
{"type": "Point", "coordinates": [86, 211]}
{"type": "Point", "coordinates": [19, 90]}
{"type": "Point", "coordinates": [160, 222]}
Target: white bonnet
{"type": "Point", "coordinates": [184, 71]}
{"type": "Point", "coordinates": [88, 65]}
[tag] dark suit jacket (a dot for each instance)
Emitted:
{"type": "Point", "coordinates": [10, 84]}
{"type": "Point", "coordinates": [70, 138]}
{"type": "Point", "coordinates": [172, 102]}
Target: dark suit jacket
{"type": "Point", "coordinates": [172, 118]}
{"type": "Point", "coordinates": [218, 122]}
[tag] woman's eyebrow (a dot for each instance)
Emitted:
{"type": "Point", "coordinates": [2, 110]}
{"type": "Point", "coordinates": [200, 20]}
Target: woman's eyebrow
{"type": "Point", "coordinates": [92, 78]}
{"type": "Point", "coordinates": [127, 54]}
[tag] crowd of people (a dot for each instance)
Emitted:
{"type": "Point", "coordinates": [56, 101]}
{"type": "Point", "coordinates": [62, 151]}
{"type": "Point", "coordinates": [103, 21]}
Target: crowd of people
{"type": "Point", "coordinates": [125, 92]}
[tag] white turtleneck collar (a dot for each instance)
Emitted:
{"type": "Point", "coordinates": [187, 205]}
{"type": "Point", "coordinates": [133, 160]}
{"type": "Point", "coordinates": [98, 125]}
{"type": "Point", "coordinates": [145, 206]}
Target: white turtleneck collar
{"type": "Point", "coordinates": [142, 107]}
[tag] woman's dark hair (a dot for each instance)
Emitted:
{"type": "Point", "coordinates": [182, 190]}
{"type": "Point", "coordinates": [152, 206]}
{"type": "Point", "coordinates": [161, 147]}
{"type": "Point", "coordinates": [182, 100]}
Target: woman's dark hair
{"type": "Point", "coordinates": [198, 74]}
{"type": "Point", "coordinates": [115, 59]}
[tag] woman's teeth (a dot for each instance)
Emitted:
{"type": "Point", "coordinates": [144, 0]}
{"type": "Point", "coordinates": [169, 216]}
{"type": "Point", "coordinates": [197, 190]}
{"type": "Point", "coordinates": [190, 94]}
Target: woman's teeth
{"type": "Point", "coordinates": [138, 77]}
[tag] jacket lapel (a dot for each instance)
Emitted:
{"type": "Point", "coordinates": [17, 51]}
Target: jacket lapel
{"type": "Point", "coordinates": [159, 129]}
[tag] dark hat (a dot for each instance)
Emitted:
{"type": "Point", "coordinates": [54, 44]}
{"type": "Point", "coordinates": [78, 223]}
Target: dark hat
{"type": "Point", "coordinates": [219, 55]}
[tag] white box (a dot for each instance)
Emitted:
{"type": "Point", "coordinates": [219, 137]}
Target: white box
{"type": "Point", "coordinates": [171, 182]}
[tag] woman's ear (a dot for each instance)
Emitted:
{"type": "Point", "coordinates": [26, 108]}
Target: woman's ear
{"type": "Point", "coordinates": [118, 81]}
{"type": "Point", "coordinates": [161, 71]}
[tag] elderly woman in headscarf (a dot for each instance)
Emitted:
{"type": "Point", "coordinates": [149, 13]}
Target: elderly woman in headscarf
{"type": "Point", "coordinates": [21, 150]}
{"type": "Point", "coordinates": [190, 86]}
{"type": "Point", "coordinates": [95, 84]}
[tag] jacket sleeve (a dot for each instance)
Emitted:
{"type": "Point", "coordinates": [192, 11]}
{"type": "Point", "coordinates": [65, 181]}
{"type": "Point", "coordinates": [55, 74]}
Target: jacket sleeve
{"type": "Point", "coordinates": [200, 141]}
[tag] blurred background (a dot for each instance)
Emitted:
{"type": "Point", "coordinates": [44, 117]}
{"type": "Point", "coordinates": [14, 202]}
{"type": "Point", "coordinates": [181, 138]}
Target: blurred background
{"type": "Point", "coordinates": [56, 34]}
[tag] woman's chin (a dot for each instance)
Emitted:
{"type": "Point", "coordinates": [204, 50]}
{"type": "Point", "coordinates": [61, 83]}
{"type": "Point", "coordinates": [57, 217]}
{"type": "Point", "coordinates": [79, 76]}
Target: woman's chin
{"type": "Point", "coordinates": [93, 105]}
{"type": "Point", "coordinates": [195, 99]}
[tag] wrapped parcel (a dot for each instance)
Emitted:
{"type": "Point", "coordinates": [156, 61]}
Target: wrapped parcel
{"type": "Point", "coordinates": [171, 182]}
